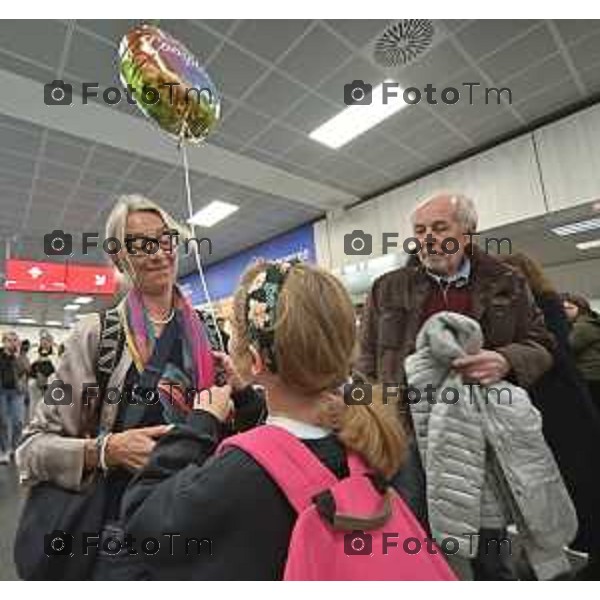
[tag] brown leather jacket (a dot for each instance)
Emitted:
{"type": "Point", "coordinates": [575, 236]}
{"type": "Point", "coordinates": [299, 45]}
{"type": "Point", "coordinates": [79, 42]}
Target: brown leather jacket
{"type": "Point", "coordinates": [502, 303]}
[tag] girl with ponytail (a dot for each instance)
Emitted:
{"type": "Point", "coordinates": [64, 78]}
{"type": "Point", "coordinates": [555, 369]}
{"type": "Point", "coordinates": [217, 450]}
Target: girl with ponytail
{"type": "Point", "coordinates": [294, 334]}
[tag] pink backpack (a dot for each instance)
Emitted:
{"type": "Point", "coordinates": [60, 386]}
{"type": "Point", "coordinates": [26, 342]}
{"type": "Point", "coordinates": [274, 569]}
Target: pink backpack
{"type": "Point", "coordinates": [343, 526]}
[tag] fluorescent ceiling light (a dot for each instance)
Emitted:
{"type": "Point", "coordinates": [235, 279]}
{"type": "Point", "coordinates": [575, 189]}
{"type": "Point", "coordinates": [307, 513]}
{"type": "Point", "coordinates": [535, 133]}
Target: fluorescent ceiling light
{"type": "Point", "coordinates": [588, 245]}
{"type": "Point", "coordinates": [27, 321]}
{"type": "Point", "coordinates": [83, 300]}
{"type": "Point", "coordinates": [54, 323]}
{"type": "Point", "coordinates": [72, 307]}
{"type": "Point", "coordinates": [213, 213]}
{"type": "Point", "coordinates": [578, 227]}
{"type": "Point", "coordinates": [358, 118]}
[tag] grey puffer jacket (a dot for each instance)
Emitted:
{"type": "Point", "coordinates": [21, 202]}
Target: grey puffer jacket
{"type": "Point", "coordinates": [485, 458]}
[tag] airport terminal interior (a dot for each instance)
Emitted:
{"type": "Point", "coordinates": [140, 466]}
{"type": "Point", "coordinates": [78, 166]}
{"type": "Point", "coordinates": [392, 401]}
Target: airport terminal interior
{"type": "Point", "coordinates": [323, 141]}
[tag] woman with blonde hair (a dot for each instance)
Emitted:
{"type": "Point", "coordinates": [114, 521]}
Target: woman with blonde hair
{"type": "Point", "coordinates": [123, 380]}
{"type": "Point", "coordinates": [294, 333]}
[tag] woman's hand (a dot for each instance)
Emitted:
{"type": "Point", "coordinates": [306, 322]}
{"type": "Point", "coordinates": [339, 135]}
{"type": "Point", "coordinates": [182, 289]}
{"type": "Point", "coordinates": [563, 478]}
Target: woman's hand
{"type": "Point", "coordinates": [130, 449]}
{"type": "Point", "coordinates": [233, 377]}
{"type": "Point", "coordinates": [216, 401]}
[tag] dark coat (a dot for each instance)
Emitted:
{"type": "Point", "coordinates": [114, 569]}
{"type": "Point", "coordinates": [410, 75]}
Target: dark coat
{"type": "Point", "coordinates": [511, 322]}
{"type": "Point", "coordinates": [185, 490]}
{"type": "Point", "coordinates": [585, 341]}
{"type": "Point", "coordinates": [571, 425]}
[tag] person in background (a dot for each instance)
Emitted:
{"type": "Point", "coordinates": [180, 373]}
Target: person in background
{"type": "Point", "coordinates": [585, 341]}
{"type": "Point", "coordinates": [25, 347]}
{"type": "Point", "coordinates": [459, 277]}
{"type": "Point", "coordinates": [358, 312]}
{"type": "Point", "coordinates": [42, 368]}
{"type": "Point", "coordinates": [13, 378]}
{"type": "Point", "coordinates": [224, 335]}
{"type": "Point", "coordinates": [571, 422]}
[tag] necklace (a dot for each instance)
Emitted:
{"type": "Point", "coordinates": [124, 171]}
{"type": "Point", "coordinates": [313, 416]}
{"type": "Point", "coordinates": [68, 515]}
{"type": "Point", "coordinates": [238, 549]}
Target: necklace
{"type": "Point", "coordinates": [164, 321]}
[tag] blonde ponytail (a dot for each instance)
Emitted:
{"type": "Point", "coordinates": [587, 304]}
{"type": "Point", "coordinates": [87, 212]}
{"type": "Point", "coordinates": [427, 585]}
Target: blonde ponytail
{"type": "Point", "coordinates": [315, 341]}
{"type": "Point", "coordinates": [375, 432]}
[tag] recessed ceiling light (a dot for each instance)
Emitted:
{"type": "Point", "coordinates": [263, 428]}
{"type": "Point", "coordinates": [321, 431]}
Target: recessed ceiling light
{"type": "Point", "coordinates": [588, 245]}
{"type": "Point", "coordinates": [577, 227]}
{"type": "Point", "coordinates": [54, 323]}
{"type": "Point", "coordinates": [26, 321]}
{"type": "Point", "coordinates": [212, 213]}
{"type": "Point", "coordinates": [354, 120]}
{"type": "Point", "coordinates": [72, 307]}
{"type": "Point", "coordinates": [83, 300]}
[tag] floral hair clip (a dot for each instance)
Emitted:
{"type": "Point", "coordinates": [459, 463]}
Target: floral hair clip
{"type": "Point", "coordinates": [261, 308]}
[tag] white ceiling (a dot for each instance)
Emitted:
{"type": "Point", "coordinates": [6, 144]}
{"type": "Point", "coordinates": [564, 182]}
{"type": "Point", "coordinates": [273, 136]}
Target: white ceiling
{"type": "Point", "coordinates": [279, 80]}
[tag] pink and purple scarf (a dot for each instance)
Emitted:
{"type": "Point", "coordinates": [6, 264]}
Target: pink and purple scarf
{"type": "Point", "coordinates": [177, 384]}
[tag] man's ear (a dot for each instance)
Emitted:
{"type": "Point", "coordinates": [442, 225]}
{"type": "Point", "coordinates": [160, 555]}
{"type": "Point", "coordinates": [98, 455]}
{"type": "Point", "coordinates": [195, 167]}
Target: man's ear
{"type": "Point", "coordinates": [258, 364]}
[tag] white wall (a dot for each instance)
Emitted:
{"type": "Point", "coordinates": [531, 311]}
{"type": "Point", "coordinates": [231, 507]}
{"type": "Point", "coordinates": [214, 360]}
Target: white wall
{"type": "Point", "coordinates": [504, 181]}
{"type": "Point", "coordinates": [552, 168]}
{"type": "Point", "coordinates": [569, 156]}
{"type": "Point", "coordinates": [582, 280]}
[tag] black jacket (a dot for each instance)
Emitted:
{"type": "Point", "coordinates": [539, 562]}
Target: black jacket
{"type": "Point", "coordinates": [228, 499]}
{"type": "Point", "coordinates": [571, 425]}
{"type": "Point", "coordinates": [585, 341]}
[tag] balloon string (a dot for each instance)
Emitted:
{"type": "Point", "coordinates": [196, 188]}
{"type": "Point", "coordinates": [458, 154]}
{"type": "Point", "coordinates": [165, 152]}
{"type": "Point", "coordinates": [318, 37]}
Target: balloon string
{"type": "Point", "coordinates": [186, 171]}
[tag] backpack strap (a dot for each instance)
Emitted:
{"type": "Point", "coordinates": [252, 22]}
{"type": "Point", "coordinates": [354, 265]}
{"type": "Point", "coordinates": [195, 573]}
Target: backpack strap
{"type": "Point", "coordinates": [293, 467]}
{"type": "Point", "coordinates": [305, 480]}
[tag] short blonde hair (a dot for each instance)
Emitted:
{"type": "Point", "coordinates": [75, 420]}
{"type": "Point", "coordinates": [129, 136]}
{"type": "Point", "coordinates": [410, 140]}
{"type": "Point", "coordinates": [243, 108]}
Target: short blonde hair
{"type": "Point", "coordinates": [465, 212]}
{"type": "Point", "coordinates": [117, 219]}
{"type": "Point", "coordinates": [117, 223]}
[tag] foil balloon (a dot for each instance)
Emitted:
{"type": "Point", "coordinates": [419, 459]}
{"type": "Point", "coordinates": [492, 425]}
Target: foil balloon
{"type": "Point", "coordinates": [168, 84]}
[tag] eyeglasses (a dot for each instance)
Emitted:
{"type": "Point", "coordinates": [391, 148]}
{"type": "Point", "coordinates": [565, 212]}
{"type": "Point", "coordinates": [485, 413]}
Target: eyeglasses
{"type": "Point", "coordinates": [143, 245]}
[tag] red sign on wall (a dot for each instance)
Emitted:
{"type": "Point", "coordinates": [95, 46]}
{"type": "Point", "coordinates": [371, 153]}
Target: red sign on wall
{"type": "Point", "coordinates": [37, 276]}
{"type": "Point", "coordinates": [90, 279]}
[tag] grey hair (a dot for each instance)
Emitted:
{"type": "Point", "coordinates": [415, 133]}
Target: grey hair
{"type": "Point", "coordinates": [465, 212]}
{"type": "Point", "coordinates": [117, 220]}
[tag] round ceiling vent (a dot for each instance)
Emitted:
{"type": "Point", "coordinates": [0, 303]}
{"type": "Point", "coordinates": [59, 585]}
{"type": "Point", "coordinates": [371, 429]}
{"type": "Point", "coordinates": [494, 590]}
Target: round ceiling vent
{"type": "Point", "coordinates": [403, 41]}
